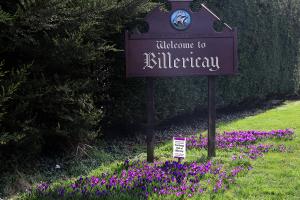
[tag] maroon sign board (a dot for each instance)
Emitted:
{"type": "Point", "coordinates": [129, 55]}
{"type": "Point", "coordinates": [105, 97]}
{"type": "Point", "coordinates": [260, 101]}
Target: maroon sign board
{"type": "Point", "coordinates": [167, 51]}
{"type": "Point", "coordinates": [181, 42]}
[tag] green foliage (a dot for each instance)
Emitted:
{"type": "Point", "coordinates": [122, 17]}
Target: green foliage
{"type": "Point", "coordinates": [4, 17]}
{"type": "Point", "coordinates": [76, 84]}
{"type": "Point", "coordinates": [71, 47]}
{"type": "Point", "coordinates": [10, 82]}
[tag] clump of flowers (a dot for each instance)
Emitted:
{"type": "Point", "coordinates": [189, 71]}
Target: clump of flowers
{"type": "Point", "coordinates": [160, 178]}
{"type": "Point", "coordinates": [233, 139]}
{"type": "Point", "coordinates": [171, 177]}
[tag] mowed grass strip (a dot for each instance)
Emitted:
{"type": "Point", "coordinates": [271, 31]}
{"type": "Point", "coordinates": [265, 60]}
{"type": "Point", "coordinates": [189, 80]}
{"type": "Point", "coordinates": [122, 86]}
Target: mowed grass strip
{"type": "Point", "coordinates": [276, 175]}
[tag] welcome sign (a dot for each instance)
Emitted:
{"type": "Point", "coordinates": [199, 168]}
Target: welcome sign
{"type": "Point", "coordinates": [179, 57]}
{"type": "Point", "coordinates": [181, 43]}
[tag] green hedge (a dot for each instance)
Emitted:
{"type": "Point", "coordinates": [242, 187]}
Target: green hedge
{"type": "Point", "coordinates": [69, 46]}
{"type": "Point", "coordinates": [75, 85]}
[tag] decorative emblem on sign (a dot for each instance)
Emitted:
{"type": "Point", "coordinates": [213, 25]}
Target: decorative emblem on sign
{"type": "Point", "coordinates": [181, 19]}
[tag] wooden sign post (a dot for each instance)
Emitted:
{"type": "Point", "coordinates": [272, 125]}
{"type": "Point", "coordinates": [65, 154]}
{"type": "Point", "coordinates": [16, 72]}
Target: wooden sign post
{"type": "Point", "coordinates": [211, 116]}
{"type": "Point", "coordinates": [181, 42]}
{"type": "Point", "coordinates": [150, 120]}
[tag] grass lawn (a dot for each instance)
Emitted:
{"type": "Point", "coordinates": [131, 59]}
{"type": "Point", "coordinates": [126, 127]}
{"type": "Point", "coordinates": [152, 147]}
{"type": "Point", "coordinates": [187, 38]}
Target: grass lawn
{"type": "Point", "coordinates": [274, 176]}
{"type": "Point", "coordinates": [277, 175]}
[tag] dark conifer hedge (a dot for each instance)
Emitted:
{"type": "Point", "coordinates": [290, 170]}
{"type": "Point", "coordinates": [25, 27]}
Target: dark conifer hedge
{"type": "Point", "coordinates": [63, 71]}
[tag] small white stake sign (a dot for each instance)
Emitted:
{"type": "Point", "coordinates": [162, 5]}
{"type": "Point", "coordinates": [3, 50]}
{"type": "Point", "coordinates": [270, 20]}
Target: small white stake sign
{"type": "Point", "coordinates": [179, 147]}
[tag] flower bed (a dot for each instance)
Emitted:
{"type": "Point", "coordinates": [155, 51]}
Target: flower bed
{"type": "Point", "coordinates": [171, 178]}
{"type": "Point", "coordinates": [229, 140]}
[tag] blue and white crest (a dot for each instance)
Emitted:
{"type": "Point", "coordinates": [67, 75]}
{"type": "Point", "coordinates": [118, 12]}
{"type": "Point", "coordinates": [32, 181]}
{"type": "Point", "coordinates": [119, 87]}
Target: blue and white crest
{"type": "Point", "coordinates": [181, 19]}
